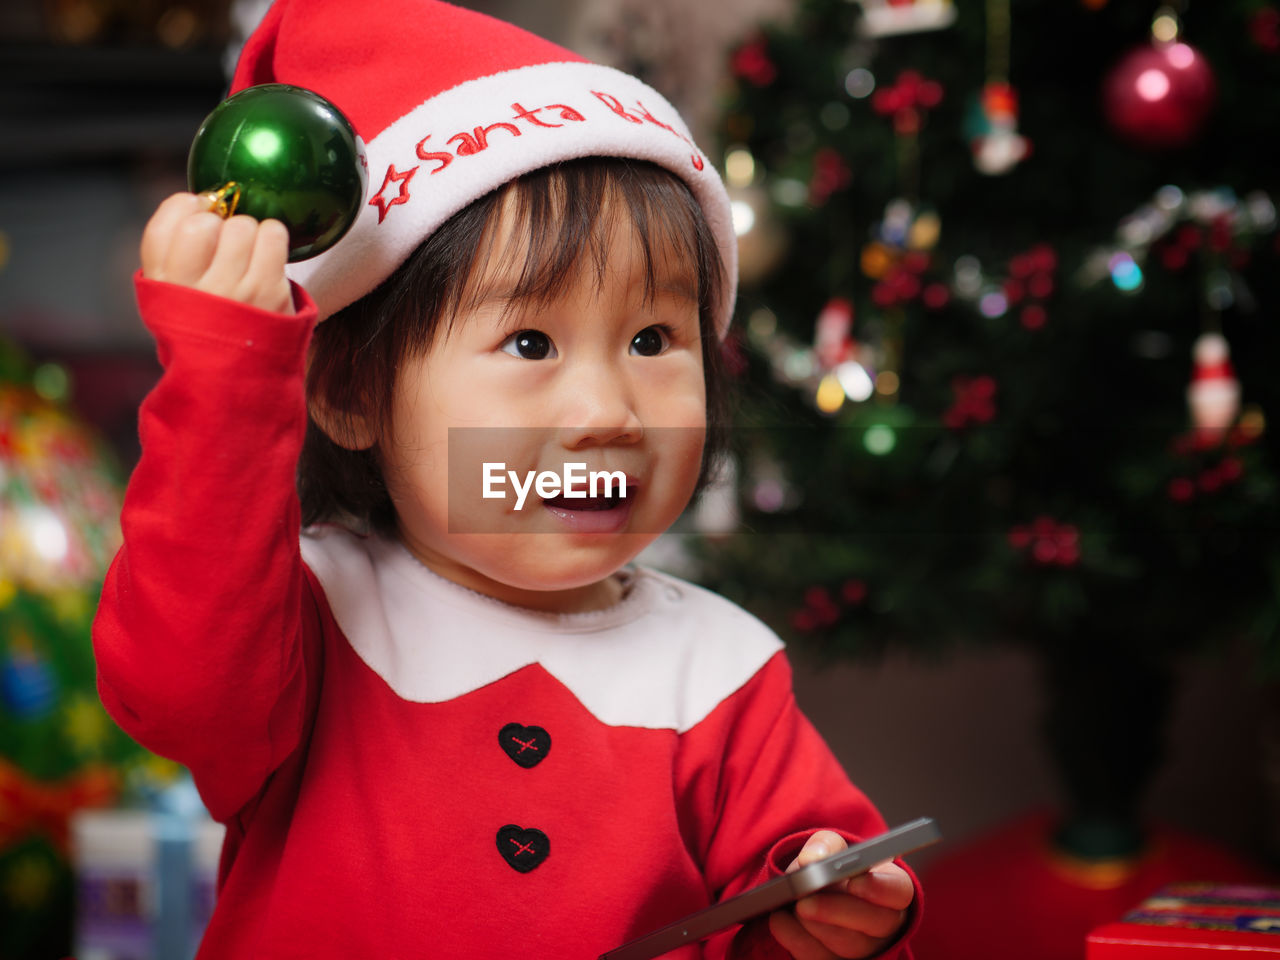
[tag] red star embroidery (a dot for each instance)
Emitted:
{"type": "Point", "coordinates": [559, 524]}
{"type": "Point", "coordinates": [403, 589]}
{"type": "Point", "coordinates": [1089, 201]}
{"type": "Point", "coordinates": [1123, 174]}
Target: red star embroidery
{"type": "Point", "coordinates": [402, 178]}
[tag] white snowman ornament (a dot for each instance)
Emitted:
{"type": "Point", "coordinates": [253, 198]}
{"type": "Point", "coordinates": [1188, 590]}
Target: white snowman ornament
{"type": "Point", "coordinates": [1213, 395]}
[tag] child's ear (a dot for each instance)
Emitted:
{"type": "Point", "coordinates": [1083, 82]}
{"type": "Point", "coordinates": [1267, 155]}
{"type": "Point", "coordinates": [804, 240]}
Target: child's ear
{"type": "Point", "coordinates": [348, 430]}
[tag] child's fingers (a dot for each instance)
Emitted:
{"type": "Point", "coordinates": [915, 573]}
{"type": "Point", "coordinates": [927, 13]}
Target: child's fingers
{"type": "Point", "coordinates": [822, 844]}
{"type": "Point", "coordinates": [158, 235]}
{"type": "Point", "coordinates": [853, 919]}
{"type": "Point", "coordinates": [225, 272]}
{"type": "Point", "coordinates": [238, 258]}
{"type": "Point", "coordinates": [841, 911]}
{"type": "Point", "coordinates": [885, 885]}
{"type": "Point", "coordinates": [795, 939]}
{"type": "Point", "coordinates": [799, 939]}
{"type": "Point", "coordinates": [265, 282]}
{"type": "Point", "coordinates": [191, 248]}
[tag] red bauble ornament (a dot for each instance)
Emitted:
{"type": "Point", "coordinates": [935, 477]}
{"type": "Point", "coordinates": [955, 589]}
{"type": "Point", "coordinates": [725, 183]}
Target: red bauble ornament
{"type": "Point", "coordinates": [1159, 95]}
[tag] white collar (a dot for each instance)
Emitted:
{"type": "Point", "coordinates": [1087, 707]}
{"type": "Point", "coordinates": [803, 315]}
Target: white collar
{"type": "Point", "coordinates": [661, 658]}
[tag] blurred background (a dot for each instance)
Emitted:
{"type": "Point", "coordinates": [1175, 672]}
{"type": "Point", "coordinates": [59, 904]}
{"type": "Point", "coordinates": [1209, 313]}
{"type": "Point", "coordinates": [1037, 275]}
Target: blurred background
{"type": "Point", "coordinates": [1002, 473]}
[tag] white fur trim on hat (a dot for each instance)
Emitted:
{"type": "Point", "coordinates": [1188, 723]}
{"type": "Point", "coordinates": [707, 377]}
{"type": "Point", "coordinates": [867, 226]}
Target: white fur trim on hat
{"type": "Point", "coordinates": [471, 139]}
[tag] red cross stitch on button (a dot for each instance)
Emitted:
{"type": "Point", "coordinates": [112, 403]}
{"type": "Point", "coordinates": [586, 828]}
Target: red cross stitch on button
{"type": "Point", "coordinates": [527, 746]}
{"type": "Point", "coordinates": [523, 848]}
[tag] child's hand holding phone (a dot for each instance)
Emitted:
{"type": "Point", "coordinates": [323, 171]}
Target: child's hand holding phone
{"type": "Point", "coordinates": [855, 918]}
{"type": "Point", "coordinates": [238, 258]}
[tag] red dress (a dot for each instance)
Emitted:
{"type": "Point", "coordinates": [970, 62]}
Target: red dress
{"type": "Point", "coordinates": [407, 768]}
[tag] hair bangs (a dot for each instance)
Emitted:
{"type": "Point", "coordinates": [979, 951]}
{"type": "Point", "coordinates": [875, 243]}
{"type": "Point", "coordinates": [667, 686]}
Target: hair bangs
{"type": "Point", "coordinates": [563, 221]}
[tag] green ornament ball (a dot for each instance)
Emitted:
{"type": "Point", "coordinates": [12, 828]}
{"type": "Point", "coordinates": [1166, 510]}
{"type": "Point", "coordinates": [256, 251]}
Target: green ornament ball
{"type": "Point", "coordinates": [277, 151]}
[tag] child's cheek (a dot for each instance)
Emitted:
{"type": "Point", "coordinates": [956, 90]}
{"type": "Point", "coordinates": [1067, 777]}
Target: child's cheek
{"type": "Point", "coordinates": [679, 392]}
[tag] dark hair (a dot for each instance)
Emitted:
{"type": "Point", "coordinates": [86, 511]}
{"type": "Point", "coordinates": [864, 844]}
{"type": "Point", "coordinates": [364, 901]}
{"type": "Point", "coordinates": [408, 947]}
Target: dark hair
{"type": "Point", "coordinates": [356, 352]}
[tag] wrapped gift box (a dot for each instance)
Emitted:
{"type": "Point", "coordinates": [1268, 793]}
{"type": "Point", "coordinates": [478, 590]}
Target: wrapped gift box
{"type": "Point", "coordinates": [1193, 921]}
{"type": "Point", "coordinates": [145, 883]}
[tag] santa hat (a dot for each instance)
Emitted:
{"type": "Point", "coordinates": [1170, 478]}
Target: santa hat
{"type": "Point", "coordinates": [452, 104]}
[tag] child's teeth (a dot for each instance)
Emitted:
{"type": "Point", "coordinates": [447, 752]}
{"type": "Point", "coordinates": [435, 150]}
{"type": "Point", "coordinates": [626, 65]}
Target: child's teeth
{"type": "Point", "coordinates": [578, 503]}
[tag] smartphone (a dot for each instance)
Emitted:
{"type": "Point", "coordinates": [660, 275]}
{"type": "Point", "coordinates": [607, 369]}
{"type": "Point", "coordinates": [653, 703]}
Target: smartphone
{"type": "Point", "coordinates": [781, 891]}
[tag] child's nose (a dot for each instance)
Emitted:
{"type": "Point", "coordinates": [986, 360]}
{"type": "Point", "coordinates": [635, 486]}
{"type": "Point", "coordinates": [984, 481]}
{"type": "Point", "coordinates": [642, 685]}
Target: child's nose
{"type": "Point", "coordinates": [599, 407]}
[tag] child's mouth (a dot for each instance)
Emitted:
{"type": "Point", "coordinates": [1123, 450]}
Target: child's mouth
{"type": "Point", "coordinates": [584, 503]}
{"type": "Point", "coordinates": [607, 514]}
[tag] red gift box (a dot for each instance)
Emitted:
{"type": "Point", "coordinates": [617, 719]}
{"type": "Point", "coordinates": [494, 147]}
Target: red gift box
{"type": "Point", "coordinates": [1186, 920]}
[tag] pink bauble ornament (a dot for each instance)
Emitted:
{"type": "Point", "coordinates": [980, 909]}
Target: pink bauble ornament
{"type": "Point", "coordinates": [1159, 95]}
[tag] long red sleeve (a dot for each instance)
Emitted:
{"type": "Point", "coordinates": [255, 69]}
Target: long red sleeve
{"type": "Point", "coordinates": [776, 784]}
{"type": "Point", "coordinates": [199, 636]}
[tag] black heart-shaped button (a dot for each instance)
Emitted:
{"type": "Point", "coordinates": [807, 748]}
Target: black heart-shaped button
{"type": "Point", "coordinates": [527, 746]}
{"type": "Point", "coordinates": [523, 848]}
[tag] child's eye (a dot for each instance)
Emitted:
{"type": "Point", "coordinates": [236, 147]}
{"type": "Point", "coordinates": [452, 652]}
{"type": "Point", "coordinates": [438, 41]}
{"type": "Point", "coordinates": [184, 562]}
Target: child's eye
{"type": "Point", "coordinates": [529, 345]}
{"type": "Point", "coordinates": [650, 342]}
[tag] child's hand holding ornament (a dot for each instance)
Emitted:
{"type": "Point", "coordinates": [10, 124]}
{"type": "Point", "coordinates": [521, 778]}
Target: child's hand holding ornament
{"type": "Point", "coordinates": [277, 174]}
{"type": "Point", "coordinates": [238, 258]}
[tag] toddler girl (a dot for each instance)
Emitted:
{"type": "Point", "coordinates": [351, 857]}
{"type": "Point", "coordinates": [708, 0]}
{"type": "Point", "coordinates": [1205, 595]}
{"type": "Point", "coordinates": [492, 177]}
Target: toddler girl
{"type": "Point", "coordinates": [439, 719]}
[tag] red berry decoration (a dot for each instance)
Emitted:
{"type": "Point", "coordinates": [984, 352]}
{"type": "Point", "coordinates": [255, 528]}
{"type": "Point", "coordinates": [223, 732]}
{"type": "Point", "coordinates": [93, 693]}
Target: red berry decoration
{"type": "Point", "coordinates": [821, 608]}
{"type": "Point", "coordinates": [830, 174]}
{"type": "Point", "coordinates": [854, 592]}
{"type": "Point", "coordinates": [907, 100]}
{"type": "Point", "coordinates": [1030, 283]}
{"type": "Point", "coordinates": [751, 62]}
{"type": "Point", "coordinates": [1047, 542]}
{"type": "Point", "coordinates": [1181, 490]}
{"type": "Point", "coordinates": [1159, 96]}
{"type": "Point", "coordinates": [903, 282]}
{"type": "Point", "coordinates": [1264, 29]}
{"type": "Point", "coordinates": [975, 402]}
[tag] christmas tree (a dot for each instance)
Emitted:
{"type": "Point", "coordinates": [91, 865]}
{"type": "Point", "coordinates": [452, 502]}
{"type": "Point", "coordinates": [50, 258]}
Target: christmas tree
{"type": "Point", "coordinates": [1008, 330]}
{"type": "Point", "coordinates": [59, 751]}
